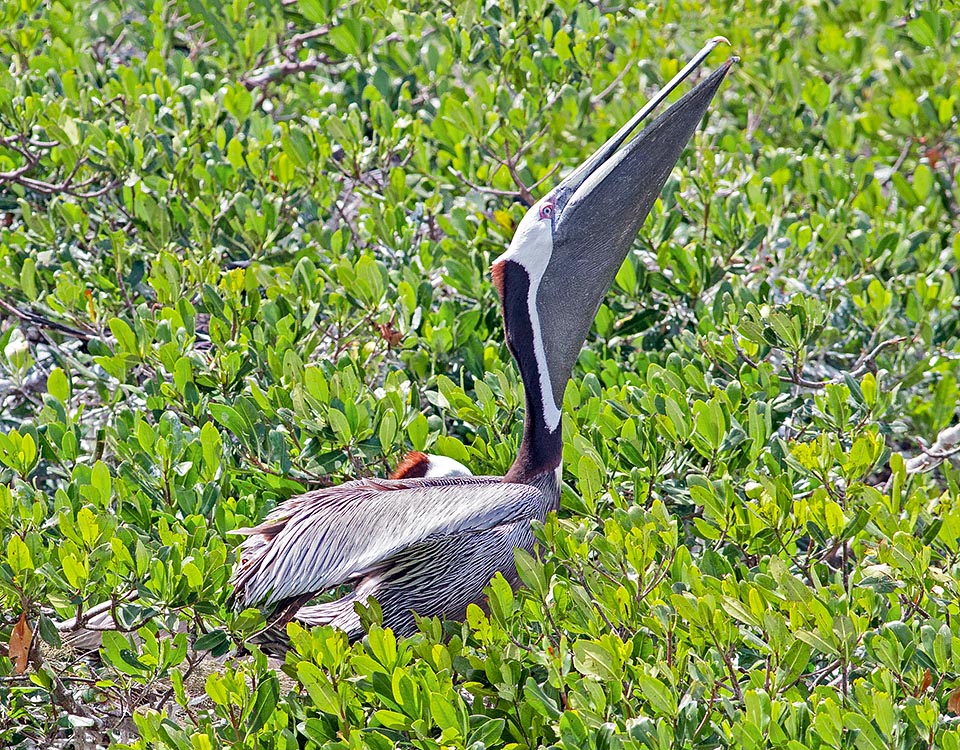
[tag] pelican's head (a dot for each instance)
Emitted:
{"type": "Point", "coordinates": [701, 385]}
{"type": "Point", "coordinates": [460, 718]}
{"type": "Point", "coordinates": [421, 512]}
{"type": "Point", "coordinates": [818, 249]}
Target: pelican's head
{"type": "Point", "coordinates": [569, 246]}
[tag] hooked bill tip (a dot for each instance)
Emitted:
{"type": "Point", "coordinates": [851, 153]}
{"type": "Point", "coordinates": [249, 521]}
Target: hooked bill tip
{"type": "Point", "coordinates": [719, 40]}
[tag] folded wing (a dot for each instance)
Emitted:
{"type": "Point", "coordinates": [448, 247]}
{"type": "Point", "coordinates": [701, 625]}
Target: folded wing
{"type": "Point", "coordinates": [330, 536]}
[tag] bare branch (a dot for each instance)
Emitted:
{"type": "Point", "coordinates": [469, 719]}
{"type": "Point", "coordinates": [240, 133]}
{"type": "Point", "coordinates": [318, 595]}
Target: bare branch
{"type": "Point", "coordinates": [866, 361]}
{"type": "Point", "coordinates": [796, 377]}
{"type": "Point", "coordinates": [598, 98]}
{"type": "Point", "coordinates": [899, 162]}
{"type": "Point", "coordinates": [484, 189]}
{"type": "Point", "coordinates": [945, 446]}
{"type": "Point", "coordinates": [258, 79]}
{"type": "Point", "coordinates": [32, 318]}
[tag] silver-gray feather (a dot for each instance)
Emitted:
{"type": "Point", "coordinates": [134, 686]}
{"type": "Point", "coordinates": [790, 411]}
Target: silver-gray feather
{"type": "Point", "coordinates": [402, 537]}
{"type": "Point", "coordinates": [411, 580]}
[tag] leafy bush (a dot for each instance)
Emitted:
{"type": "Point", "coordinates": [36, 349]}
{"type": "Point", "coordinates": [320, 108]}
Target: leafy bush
{"type": "Point", "coordinates": [243, 253]}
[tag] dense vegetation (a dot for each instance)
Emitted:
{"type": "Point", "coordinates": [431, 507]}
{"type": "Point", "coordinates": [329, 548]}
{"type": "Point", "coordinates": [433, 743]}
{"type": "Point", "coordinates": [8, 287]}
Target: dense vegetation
{"type": "Point", "coordinates": [244, 252]}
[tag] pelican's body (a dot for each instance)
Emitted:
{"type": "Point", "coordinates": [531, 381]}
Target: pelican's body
{"type": "Point", "coordinates": [430, 552]}
{"type": "Point", "coordinates": [431, 545]}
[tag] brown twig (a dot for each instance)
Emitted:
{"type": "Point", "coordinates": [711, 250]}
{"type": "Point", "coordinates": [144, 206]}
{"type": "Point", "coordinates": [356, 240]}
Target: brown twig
{"type": "Point", "coordinates": [905, 151]}
{"type": "Point", "coordinates": [59, 695]}
{"type": "Point", "coordinates": [596, 604]}
{"type": "Point", "coordinates": [945, 446]}
{"type": "Point", "coordinates": [482, 188]}
{"type": "Point", "coordinates": [32, 318]}
{"type": "Point", "coordinates": [21, 144]}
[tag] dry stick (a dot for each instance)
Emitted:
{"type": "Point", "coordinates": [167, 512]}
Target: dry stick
{"type": "Point", "coordinates": [260, 78]}
{"type": "Point", "coordinates": [513, 159]}
{"type": "Point", "coordinates": [598, 98]}
{"type": "Point", "coordinates": [899, 162]}
{"type": "Point", "coordinates": [658, 576]}
{"type": "Point", "coordinates": [66, 186]}
{"type": "Point", "coordinates": [59, 695]}
{"type": "Point", "coordinates": [14, 678]}
{"type": "Point", "coordinates": [941, 454]}
{"type": "Point", "coordinates": [193, 661]}
{"type": "Point", "coordinates": [481, 188]}
{"type": "Point", "coordinates": [30, 158]}
{"type": "Point", "coordinates": [707, 711]}
{"type": "Point", "coordinates": [596, 603]}
{"type": "Point", "coordinates": [731, 670]}
{"type": "Point", "coordinates": [18, 175]}
{"type": "Point", "coordinates": [553, 170]}
{"type": "Point", "coordinates": [297, 39]}
{"type": "Point", "coordinates": [24, 138]}
{"type": "Point", "coordinates": [523, 195]}
{"type": "Point", "coordinates": [83, 617]}
{"type": "Point", "coordinates": [945, 446]}
{"type": "Point", "coordinates": [27, 316]}
{"type": "Point", "coordinates": [15, 174]}
{"type": "Point", "coordinates": [511, 164]}
{"type": "Point", "coordinates": [289, 48]}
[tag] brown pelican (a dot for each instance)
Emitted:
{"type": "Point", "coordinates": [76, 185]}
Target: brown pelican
{"type": "Point", "coordinates": [431, 545]}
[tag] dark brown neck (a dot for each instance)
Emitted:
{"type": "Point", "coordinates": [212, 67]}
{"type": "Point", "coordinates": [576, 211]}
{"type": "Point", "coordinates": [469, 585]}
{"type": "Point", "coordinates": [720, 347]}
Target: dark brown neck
{"type": "Point", "coordinates": [541, 448]}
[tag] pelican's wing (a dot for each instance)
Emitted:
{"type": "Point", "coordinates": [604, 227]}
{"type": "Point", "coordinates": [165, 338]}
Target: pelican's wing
{"type": "Point", "coordinates": [326, 537]}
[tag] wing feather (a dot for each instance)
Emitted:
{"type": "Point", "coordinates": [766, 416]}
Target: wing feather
{"type": "Point", "coordinates": [327, 537]}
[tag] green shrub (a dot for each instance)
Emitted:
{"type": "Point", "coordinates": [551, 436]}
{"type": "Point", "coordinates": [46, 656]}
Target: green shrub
{"type": "Point", "coordinates": [244, 252]}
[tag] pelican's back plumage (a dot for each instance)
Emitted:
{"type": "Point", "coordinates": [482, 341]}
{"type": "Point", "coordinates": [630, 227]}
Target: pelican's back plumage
{"type": "Point", "coordinates": [439, 578]}
{"type": "Point", "coordinates": [423, 545]}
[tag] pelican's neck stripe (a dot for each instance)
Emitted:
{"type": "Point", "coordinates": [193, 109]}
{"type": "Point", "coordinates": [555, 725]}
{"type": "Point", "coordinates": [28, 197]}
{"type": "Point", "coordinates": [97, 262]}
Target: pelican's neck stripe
{"type": "Point", "coordinates": [535, 264]}
{"type": "Point", "coordinates": [542, 446]}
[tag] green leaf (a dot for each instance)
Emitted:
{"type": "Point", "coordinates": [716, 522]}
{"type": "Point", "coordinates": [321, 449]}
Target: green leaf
{"type": "Point", "coordinates": [212, 448]}
{"type": "Point", "coordinates": [340, 424]}
{"type": "Point", "coordinates": [27, 455]}
{"type": "Point", "coordinates": [58, 386]}
{"type": "Point", "coordinates": [444, 713]}
{"type": "Point", "coordinates": [530, 571]}
{"type": "Point", "coordinates": [212, 641]}
{"type": "Point", "coordinates": [18, 555]}
{"type": "Point", "coordinates": [387, 431]}
{"type": "Point", "coordinates": [791, 587]}
{"type": "Point", "coordinates": [233, 421]}
{"type": "Point", "coordinates": [794, 663]}
{"type": "Point", "coordinates": [922, 181]}
{"type": "Point", "coordinates": [817, 642]}
{"type": "Point", "coordinates": [28, 278]}
{"type": "Point", "coordinates": [391, 720]}
{"type": "Point", "coordinates": [541, 700]}
{"type": "Point", "coordinates": [816, 94]}
{"type": "Point", "coordinates": [418, 430]}
{"type": "Point", "coordinates": [123, 333]}
{"type": "Point", "coordinates": [318, 686]}
{"type": "Point", "coordinates": [264, 704]}
{"type": "Point", "coordinates": [593, 660]}
{"type": "Point", "coordinates": [658, 694]}
{"type": "Point", "coordinates": [867, 736]}
{"type": "Point", "coordinates": [101, 481]}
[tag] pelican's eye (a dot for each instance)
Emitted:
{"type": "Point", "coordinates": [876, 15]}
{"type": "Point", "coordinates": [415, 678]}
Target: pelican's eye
{"type": "Point", "coordinates": [546, 211]}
